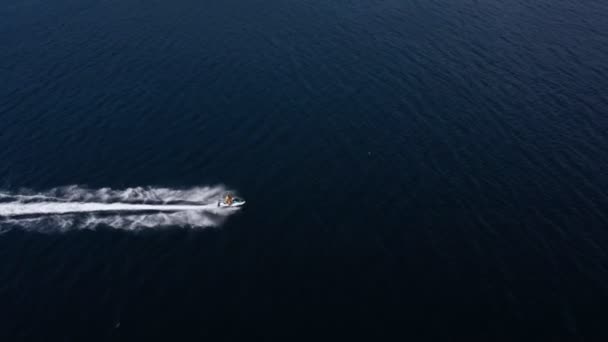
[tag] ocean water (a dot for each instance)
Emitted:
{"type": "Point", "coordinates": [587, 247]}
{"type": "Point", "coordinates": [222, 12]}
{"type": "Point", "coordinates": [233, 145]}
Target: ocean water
{"type": "Point", "coordinates": [431, 170]}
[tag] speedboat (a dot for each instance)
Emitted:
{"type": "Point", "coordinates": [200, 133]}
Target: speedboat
{"type": "Point", "coordinates": [230, 202]}
{"type": "Point", "coordinates": [237, 202]}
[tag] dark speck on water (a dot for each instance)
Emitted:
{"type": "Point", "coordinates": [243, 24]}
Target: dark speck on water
{"type": "Point", "coordinates": [423, 170]}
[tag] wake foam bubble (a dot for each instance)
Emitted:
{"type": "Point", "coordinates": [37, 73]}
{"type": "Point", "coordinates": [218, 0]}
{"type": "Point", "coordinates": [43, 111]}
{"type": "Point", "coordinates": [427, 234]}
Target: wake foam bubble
{"type": "Point", "coordinates": [76, 207]}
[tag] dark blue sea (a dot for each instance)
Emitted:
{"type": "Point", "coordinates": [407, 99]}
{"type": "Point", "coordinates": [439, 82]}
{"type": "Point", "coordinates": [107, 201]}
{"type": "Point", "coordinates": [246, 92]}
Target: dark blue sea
{"type": "Point", "coordinates": [413, 170]}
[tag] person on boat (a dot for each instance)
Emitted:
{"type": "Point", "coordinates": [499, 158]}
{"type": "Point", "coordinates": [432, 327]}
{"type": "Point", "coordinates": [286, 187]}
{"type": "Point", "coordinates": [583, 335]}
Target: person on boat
{"type": "Point", "coordinates": [228, 199]}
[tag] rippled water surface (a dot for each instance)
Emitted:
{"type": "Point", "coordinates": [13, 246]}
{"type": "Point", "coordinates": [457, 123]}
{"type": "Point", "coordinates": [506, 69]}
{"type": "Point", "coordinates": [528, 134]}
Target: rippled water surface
{"type": "Point", "coordinates": [426, 169]}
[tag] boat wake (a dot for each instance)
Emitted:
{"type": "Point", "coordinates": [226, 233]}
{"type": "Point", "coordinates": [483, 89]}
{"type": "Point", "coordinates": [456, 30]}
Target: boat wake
{"type": "Point", "coordinates": [75, 207]}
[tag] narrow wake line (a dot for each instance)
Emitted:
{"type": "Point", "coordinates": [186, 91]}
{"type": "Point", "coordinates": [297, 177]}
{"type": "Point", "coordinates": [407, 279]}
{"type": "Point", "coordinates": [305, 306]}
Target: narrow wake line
{"type": "Point", "coordinates": [76, 207]}
{"type": "Point", "coordinates": [48, 208]}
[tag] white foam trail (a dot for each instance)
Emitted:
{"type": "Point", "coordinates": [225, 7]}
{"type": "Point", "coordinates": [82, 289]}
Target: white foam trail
{"type": "Point", "coordinates": [76, 193]}
{"type": "Point", "coordinates": [49, 208]}
{"type": "Point", "coordinates": [76, 207]}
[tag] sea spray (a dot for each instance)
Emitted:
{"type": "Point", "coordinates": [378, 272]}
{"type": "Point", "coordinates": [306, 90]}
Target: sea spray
{"type": "Point", "coordinates": [77, 207]}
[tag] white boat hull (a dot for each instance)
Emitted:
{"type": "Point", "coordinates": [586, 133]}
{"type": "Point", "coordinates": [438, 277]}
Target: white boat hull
{"type": "Point", "coordinates": [233, 205]}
